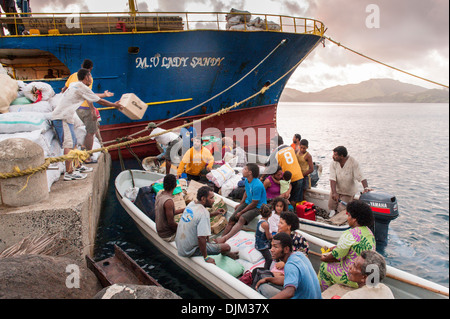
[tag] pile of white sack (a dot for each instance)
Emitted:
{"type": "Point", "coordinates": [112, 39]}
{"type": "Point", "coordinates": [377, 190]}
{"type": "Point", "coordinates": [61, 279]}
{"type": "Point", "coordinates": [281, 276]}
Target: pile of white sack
{"type": "Point", "coordinates": [242, 20]}
{"type": "Point", "coordinates": [22, 118]}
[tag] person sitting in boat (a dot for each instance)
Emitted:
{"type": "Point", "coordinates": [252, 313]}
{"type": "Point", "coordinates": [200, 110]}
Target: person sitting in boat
{"type": "Point", "coordinates": [289, 224]}
{"type": "Point", "coordinates": [227, 147]}
{"type": "Point", "coordinates": [165, 210]}
{"type": "Point", "coordinates": [335, 265]}
{"type": "Point", "coordinates": [299, 280]}
{"type": "Point", "coordinates": [344, 173]}
{"type": "Point", "coordinates": [279, 205]}
{"type": "Point", "coordinates": [195, 160]}
{"type": "Point", "coordinates": [250, 205]}
{"type": "Point", "coordinates": [284, 156]}
{"type": "Point", "coordinates": [170, 142]}
{"type": "Point", "coordinates": [306, 163]}
{"type": "Point", "coordinates": [194, 228]}
{"type": "Point", "coordinates": [285, 185]}
{"type": "Point", "coordinates": [64, 113]}
{"type": "Point", "coordinates": [263, 237]}
{"type": "Point", "coordinates": [368, 271]}
{"type": "Point", "coordinates": [272, 184]}
{"type": "Point", "coordinates": [240, 154]}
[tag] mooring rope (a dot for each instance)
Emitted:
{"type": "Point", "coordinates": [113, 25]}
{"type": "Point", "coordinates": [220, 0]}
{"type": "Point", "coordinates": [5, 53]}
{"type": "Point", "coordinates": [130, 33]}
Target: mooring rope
{"type": "Point", "coordinates": [382, 63]}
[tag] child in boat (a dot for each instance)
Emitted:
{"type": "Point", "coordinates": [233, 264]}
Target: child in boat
{"type": "Point", "coordinates": [279, 205]}
{"type": "Point", "coordinates": [285, 185]}
{"type": "Point", "coordinates": [263, 236]}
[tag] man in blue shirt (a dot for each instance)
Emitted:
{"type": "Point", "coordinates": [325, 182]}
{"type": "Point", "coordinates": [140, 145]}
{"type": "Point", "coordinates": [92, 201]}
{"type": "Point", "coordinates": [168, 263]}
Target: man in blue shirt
{"type": "Point", "coordinates": [250, 205]}
{"type": "Point", "coordinates": [299, 281]}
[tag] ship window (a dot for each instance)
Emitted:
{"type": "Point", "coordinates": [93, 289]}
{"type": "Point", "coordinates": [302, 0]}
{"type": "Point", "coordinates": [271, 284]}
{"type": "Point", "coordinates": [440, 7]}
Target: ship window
{"type": "Point", "coordinates": [31, 65]}
{"type": "Point", "coordinates": [133, 50]}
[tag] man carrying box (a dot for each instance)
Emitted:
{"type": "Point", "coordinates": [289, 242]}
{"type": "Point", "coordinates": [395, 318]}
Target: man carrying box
{"type": "Point", "coordinates": [64, 113]}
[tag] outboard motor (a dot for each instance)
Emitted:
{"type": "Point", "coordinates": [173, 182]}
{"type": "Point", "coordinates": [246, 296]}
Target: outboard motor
{"type": "Point", "coordinates": [385, 209]}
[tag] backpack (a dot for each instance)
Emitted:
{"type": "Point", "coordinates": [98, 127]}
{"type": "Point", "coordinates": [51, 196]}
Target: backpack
{"type": "Point", "coordinates": [145, 201]}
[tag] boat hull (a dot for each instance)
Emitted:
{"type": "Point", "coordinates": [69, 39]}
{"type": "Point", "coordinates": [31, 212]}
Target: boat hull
{"type": "Point", "coordinates": [253, 127]}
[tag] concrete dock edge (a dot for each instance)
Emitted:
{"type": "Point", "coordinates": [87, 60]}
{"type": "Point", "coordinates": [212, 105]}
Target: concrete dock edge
{"type": "Point", "coordinates": [72, 209]}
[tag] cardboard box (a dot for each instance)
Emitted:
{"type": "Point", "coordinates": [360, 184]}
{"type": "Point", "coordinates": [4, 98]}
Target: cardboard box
{"type": "Point", "coordinates": [134, 108]}
{"type": "Point", "coordinates": [218, 224]}
{"type": "Point", "coordinates": [194, 187]}
{"type": "Point", "coordinates": [179, 202]}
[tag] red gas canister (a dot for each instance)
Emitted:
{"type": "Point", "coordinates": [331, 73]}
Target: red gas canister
{"type": "Point", "coordinates": [306, 211]}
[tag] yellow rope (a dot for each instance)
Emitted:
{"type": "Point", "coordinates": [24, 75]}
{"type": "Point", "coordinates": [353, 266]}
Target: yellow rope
{"type": "Point", "coordinates": [387, 65]}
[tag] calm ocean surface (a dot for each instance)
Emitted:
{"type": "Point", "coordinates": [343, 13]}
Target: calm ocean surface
{"type": "Point", "coordinates": [403, 149]}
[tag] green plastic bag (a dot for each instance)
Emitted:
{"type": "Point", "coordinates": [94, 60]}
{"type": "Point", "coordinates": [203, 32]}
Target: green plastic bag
{"type": "Point", "coordinates": [231, 266]}
{"type": "Point", "coordinates": [21, 101]}
{"type": "Point", "coordinates": [160, 186]}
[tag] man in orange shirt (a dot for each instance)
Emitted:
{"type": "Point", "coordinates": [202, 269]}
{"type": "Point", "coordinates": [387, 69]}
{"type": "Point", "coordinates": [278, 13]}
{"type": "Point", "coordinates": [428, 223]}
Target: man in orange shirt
{"type": "Point", "coordinates": [195, 160]}
{"type": "Point", "coordinates": [285, 157]}
{"type": "Point", "coordinates": [296, 142]}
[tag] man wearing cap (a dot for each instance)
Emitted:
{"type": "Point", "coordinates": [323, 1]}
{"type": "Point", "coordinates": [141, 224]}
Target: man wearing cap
{"type": "Point", "coordinates": [170, 142]}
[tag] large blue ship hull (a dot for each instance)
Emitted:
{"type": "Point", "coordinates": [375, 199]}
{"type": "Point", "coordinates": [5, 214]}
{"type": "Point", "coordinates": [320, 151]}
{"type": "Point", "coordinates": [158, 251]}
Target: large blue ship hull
{"type": "Point", "coordinates": [191, 66]}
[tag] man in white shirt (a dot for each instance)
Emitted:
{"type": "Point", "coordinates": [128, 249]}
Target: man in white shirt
{"type": "Point", "coordinates": [64, 114]}
{"type": "Point", "coordinates": [344, 173]}
{"type": "Point", "coordinates": [170, 142]}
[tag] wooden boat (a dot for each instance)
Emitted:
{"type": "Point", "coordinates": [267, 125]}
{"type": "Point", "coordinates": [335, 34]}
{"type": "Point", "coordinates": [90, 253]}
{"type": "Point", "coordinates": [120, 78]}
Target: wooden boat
{"type": "Point", "coordinates": [403, 285]}
{"type": "Point", "coordinates": [119, 269]}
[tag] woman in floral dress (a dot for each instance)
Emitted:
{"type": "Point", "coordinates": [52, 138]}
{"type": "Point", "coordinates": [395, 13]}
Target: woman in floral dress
{"type": "Point", "coordinates": [335, 265]}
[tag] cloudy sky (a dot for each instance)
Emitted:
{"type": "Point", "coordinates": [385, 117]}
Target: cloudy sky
{"type": "Point", "coordinates": [412, 35]}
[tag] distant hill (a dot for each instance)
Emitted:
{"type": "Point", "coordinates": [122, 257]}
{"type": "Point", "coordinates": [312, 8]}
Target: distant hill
{"type": "Point", "coordinates": [375, 90]}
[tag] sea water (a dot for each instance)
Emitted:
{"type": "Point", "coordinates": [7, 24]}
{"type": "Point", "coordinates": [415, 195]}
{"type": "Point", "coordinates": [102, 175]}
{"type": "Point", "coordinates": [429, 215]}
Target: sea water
{"type": "Point", "coordinates": [403, 149]}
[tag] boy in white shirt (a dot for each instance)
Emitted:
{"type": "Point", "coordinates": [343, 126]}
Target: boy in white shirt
{"type": "Point", "coordinates": [64, 113]}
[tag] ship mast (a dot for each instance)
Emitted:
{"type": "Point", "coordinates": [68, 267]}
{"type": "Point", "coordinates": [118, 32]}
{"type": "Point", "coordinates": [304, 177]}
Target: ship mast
{"type": "Point", "coordinates": [132, 5]}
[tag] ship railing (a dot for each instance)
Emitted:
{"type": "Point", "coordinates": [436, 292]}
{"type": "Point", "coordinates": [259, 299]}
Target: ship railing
{"type": "Point", "coordinates": [40, 24]}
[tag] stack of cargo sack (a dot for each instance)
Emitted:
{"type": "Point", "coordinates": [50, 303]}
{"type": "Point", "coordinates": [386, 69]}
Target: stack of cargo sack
{"type": "Point", "coordinates": [28, 115]}
{"type": "Point", "coordinates": [242, 20]}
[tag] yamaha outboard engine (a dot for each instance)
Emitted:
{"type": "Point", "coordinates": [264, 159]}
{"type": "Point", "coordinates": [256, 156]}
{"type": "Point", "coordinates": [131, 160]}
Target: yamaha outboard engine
{"type": "Point", "coordinates": [385, 209]}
